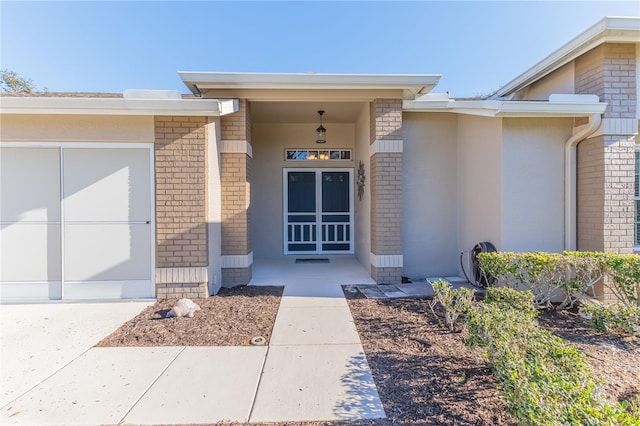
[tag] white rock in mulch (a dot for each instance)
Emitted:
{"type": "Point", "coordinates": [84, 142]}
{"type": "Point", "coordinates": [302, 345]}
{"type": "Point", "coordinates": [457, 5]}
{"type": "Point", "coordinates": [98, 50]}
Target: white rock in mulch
{"type": "Point", "coordinates": [183, 308]}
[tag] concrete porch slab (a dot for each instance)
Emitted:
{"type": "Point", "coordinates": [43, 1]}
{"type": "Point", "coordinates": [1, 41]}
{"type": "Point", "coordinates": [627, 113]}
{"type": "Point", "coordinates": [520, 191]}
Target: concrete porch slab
{"type": "Point", "coordinates": [316, 288]}
{"type": "Point", "coordinates": [314, 326]}
{"type": "Point", "coordinates": [309, 302]}
{"type": "Point", "coordinates": [419, 289]}
{"type": "Point", "coordinates": [372, 292]}
{"type": "Point", "coordinates": [97, 388]}
{"type": "Point", "coordinates": [391, 290]}
{"type": "Point", "coordinates": [316, 382]}
{"type": "Point", "coordinates": [203, 385]}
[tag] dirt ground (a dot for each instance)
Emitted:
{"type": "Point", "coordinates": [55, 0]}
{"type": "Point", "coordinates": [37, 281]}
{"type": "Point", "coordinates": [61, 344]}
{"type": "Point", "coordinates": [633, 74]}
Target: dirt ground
{"type": "Point", "coordinates": [424, 374]}
{"type": "Point", "coordinates": [231, 318]}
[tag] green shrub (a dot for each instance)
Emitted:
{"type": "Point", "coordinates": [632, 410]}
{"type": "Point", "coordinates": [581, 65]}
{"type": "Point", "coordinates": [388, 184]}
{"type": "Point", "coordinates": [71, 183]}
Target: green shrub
{"type": "Point", "coordinates": [454, 302]}
{"type": "Point", "coordinates": [624, 270]}
{"type": "Point", "coordinates": [508, 298]}
{"type": "Point", "coordinates": [545, 381]}
{"type": "Point", "coordinates": [619, 318]}
{"type": "Point", "coordinates": [585, 269]}
{"type": "Point", "coordinates": [567, 277]}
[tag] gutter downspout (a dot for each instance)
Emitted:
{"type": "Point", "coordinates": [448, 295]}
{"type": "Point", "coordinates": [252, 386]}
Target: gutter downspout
{"type": "Point", "coordinates": [570, 187]}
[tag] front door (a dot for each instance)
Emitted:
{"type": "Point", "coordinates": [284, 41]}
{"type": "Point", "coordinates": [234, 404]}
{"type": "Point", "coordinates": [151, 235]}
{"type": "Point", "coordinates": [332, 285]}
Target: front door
{"type": "Point", "coordinates": [318, 211]}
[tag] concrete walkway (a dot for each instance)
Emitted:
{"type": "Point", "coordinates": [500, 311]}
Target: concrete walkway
{"type": "Point", "coordinates": [316, 368]}
{"type": "Point", "coordinates": [313, 369]}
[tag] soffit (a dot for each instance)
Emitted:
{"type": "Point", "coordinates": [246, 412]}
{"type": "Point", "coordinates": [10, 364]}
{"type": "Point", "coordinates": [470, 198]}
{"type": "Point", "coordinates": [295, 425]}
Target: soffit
{"type": "Point", "coordinates": [305, 112]}
{"type": "Point", "coordinates": [407, 85]}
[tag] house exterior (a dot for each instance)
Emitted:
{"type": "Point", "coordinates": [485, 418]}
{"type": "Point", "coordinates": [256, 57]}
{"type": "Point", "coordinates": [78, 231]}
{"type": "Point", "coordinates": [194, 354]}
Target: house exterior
{"type": "Point", "coordinates": [157, 194]}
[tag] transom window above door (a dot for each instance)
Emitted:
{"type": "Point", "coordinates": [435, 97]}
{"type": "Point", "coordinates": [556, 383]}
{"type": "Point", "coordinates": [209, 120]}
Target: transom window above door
{"type": "Point", "coordinates": [318, 155]}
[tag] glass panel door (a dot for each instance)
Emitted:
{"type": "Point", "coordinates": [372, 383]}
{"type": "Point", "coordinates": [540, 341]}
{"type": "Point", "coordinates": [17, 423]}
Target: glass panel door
{"type": "Point", "coordinates": [301, 212]}
{"type": "Point", "coordinates": [336, 215]}
{"type": "Point", "coordinates": [318, 211]}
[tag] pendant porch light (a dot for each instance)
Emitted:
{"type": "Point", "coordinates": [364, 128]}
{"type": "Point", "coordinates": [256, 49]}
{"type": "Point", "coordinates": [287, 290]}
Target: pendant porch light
{"type": "Point", "coordinates": [321, 132]}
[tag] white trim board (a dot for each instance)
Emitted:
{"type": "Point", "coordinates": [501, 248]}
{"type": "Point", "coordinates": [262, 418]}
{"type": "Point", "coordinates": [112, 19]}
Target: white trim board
{"type": "Point", "coordinates": [385, 145]}
{"type": "Point", "coordinates": [386, 260]}
{"type": "Point", "coordinates": [237, 260]}
{"type": "Point", "coordinates": [236, 147]}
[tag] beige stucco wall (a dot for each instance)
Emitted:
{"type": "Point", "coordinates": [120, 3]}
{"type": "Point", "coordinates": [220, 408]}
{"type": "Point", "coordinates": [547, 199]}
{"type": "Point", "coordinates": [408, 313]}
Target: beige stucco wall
{"type": "Point", "coordinates": [362, 207]}
{"type": "Point", "coordinates": [532, 183]}
{"type": "Point", "coordinates": [429, 195]}
{"type": "Point", "coordinates": [479, 181]}
{"type": "Point", "coordinates": [561, 81]}
{"type": "Point", "coordinates": [76, 128]}
{"type": "Point", "coordinates": [269, 141]}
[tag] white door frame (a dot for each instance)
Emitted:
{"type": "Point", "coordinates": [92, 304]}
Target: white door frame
{"type": "Point", "coordinates": [61, 146]}
{"type": "Point", "coordinates": [318, 213]}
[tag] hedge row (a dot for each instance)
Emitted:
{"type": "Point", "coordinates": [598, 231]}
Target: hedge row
{"type": "Point", "coordinates": [567, 276]}
{"type": "Point", "coordinates": [545, 381]}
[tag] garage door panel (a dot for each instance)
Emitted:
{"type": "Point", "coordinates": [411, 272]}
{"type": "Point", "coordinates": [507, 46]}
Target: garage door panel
{"type": "Point", "coordinates": [108, 290]}
{"type": "Point", "coordinates": [31, 291]}
{"type": "Point", "coordinates": [107, 185]}
{"type": "Point", "coordinates": [30, 252]}
{"type": "Point", "coordinates": [76, 222]}
{"type": "Point", "coordinates": [30, 184]}
{"type": "Point", "coordinates": [107, 252]}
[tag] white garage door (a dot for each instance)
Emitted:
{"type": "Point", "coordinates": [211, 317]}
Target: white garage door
{"type": "Point", "coordinates": [76, 223]}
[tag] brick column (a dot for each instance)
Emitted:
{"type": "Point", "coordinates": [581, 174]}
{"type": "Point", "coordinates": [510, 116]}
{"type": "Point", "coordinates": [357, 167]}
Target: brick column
{"type": "Point", "coordinates": [606, 161]}
{"type": "Point", "coordinates": [235, 181]}
{"type": "Point", "coordinates": [386, 190]}
{"type": "Point", "coordinates": [181, 210]}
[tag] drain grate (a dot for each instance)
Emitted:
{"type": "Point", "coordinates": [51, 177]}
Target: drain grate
{"type": "Point", "coordinates": [312, 260]}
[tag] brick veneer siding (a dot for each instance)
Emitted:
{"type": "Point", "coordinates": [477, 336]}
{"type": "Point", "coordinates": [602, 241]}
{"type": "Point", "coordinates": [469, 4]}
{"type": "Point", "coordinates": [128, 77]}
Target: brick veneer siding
{"type": "Point", "coordinates": [386, 188]}
{"type": "Point", "coordinates": [235, 175]}
{"type": "Point", "coordinates": [606, 162]}
{"type": "Point", "coordinates": [590, 196]}
{"type": "Point", "coordinates": [181, 210]}
{"type": "Point", "coordinates": [609, 71]}
{"type": "Point", "coordinates": [235, 179]}
{"type": "Point", "coordinates": [385, 120]}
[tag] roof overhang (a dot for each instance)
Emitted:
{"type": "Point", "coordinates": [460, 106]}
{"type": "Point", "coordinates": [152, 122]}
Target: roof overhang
{"type": "Point", "coordinates": [116, 106]}
{"type": "Point", "coordinates": [557, 106]}
{"type": "Point", "coordinates": [411, 85]}
{"type": "Point", "coordinates": [609, 29]}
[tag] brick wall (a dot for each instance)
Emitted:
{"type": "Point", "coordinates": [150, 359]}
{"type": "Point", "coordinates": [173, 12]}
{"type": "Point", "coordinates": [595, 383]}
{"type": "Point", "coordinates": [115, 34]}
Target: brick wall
{"type": "Point", "coordinates": [609, 71]}
{"type": "Point", "coordinates": [181, 210]}
{"type": "Point", "coordinates": [619, 208]}
{"type": "Point", "coordinates": [386, 188]}
{"type": "Point", "coordinates": [386, 119]}
{"type": "Point", "coordinates": [235, 176]}
{"type": "Point", "coordinates": [235, 180]}
{"type": "Point", "coordinates": [606, 161]}
{"type": "Point", "coordinates": [386, 203]}
{"type": "Point", "coordinates": [590, 206]}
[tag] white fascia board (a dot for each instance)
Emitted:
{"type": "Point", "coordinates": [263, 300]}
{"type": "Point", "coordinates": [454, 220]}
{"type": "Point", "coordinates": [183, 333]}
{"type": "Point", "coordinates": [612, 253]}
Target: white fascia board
{"type": "Point", "coordinates": [112, 106]}
{"type": "Point", "coordinates": [412, 84]}
{"type": "Point", "coordinates": [608, 29]}
{"type": "Point", "coordinates": [494, 108]}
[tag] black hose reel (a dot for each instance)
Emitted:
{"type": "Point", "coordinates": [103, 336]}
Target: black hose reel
{"type": "Point", "coordinates": [479, 278]}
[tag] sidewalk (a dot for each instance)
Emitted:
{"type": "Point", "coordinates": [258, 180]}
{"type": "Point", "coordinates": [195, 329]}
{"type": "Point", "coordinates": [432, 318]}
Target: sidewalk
{"type": "Point", "coordinates": [313, 369]}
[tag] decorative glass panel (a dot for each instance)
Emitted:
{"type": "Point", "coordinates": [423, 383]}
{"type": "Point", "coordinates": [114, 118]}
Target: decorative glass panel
{"type": "Point", "coordinates": [317, 155]}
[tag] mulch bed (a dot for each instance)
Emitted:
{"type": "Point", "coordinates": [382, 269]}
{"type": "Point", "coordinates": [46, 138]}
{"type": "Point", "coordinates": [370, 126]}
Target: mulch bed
{"type": "Point", "coordinates": [425, 375]}
{"type": "Point", "coordinates": [231, 318]}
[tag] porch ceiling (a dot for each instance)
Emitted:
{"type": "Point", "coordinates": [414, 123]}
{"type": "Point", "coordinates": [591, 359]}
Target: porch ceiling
{"type": "Point", "coordinates": [305, 112]}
